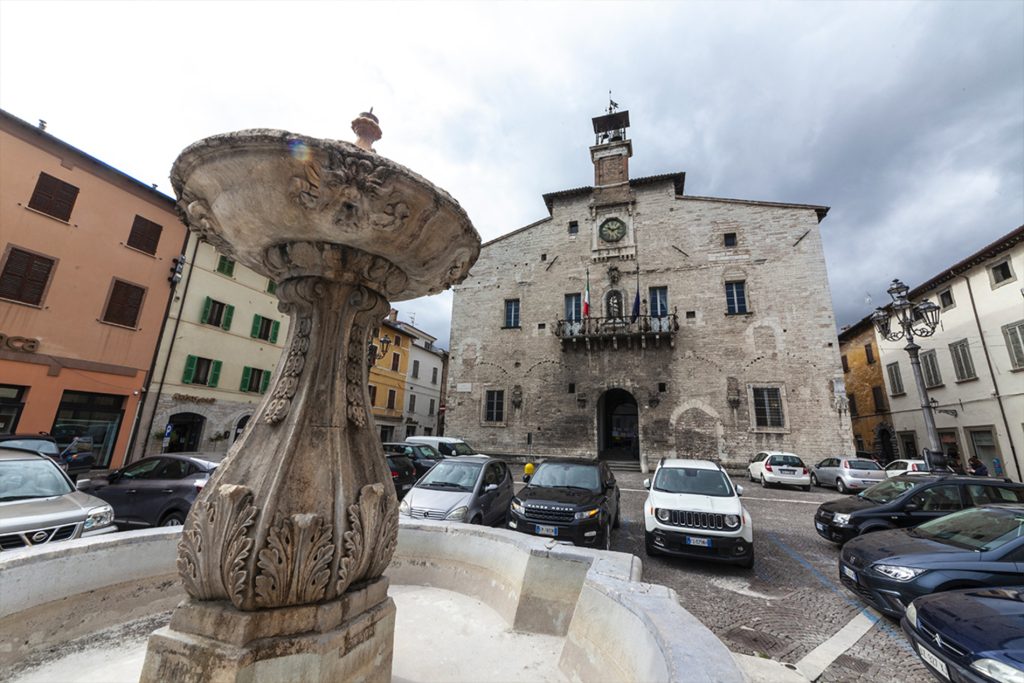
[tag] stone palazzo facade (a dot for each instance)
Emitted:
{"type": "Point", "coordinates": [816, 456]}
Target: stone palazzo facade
{"type": "Point", "coordinates": [731, 348]}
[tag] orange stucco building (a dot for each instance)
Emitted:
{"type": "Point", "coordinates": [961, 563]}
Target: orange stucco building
{"type": "Point", "coordinates": [865, 392]}
{"type": "Point", "coordinates": [85, 256]}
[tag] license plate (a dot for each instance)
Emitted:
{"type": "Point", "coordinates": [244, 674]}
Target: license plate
{"type": "Point", "coordinates": [933, 661]}
{"type": "Point", "coordinates": [702, 542]}
{"type": "Point", "coordinates": [819, 526]}
{"type": "Point", "coordinates": [546, 530]}
{"type": "Point", "coordinates": [849, 572]}
{"type": "Point", "coordinates": [787, 471]}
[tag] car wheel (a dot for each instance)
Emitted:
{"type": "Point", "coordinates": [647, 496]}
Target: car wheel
{"type": "Point", "coordinates": [750, 475]}
{"type": "Point", "coordinates": [173, 519]}
{"type": "Point", "coordinates": [764, 484]}
{"type": "Point", "coordinates": [841, 487]}
{"type": "Point", "coordinates": [814, 480]}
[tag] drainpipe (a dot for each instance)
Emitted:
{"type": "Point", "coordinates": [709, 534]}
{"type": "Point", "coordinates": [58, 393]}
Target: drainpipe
{"type": "Point", "coordinates": [170, 348]}
{"type": "Point", "coordinates": [995, 385]}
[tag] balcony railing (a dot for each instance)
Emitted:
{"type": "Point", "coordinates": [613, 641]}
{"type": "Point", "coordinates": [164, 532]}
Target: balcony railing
{"type": "Point", "coordinates": [614, 332]}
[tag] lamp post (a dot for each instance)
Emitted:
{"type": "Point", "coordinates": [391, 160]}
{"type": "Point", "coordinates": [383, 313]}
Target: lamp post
{"type": "Point", "coordinates": [373, 355]}
{"type": "Point", "coordinates": [917, 320]}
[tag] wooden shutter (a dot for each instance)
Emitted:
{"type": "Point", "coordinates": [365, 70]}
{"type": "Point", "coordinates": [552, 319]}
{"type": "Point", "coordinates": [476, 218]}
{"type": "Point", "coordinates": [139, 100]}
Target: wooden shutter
{"type": "Point", "coordinates": [207, 305]}
{"type": "Point", "coordinates": [124, 304]}
{"type": "Point", "coordinates": [53, 197]}
{"type": "Point", "coordinates": [214, 374]}
{"type": "Point", "coordinates": [265, 382]}
{"type": "Point", "coordinates": [145, 235]}
{"type": "Point", "coordinates": [255, 331]}
{"type": "Point", "coordinates": [190, 370]}
{"type": "Point", "coordinates": [229, 313]}
{"type": "Point", "coordinates": [246, 375]}
{"type": "Point", "coordinates": [274, 328]}
{"type": "Point", "coordinates": [25, 276]}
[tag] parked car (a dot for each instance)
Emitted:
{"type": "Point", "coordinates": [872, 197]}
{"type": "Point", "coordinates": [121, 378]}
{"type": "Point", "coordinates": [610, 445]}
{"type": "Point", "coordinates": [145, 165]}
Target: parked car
{"type": "Point", "coordinates": [403, 473]}
{"type": "Point", "coordinates": [898, 467]}
{"type": "Point", "coordinates": [39, 503]}
{"type": "Point", "coordinates": [72, 460]}
{"type": "Point", "coordinates": [980, 547]}
{"type": "Point", "coordinates": [571, 500]}
{"type": "Point", "coordinates": [155, 491]}
{"type": "Point", "coordinates": [474, 489]}
{"type": "Point", "coordinates": [846, 474]}
{"type": "Point", "coordinates": [976, 634]}
{"type": "Point", "coordinates": [693, 510]}
{"type": "Point", "coordinates": [776, 467]}
{"type": "Point", "coordinates": [445, 445]}
{"type": "Point", "coordinates": [423, 456]}
{"type": "Point", "coordinates": [909, 500]}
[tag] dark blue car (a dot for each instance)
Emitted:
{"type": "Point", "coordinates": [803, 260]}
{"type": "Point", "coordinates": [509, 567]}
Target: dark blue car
{"type": "Point", "coordinates": [980, 547]}
{"type": "Point", "coordinates": [974, 635]}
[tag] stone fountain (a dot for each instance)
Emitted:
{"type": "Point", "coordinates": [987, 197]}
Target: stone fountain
{"type": "Point", "coordinates": [282, 555]}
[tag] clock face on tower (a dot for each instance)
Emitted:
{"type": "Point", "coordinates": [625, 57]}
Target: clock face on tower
{"type": "Point", "coordinates": [612, 230]}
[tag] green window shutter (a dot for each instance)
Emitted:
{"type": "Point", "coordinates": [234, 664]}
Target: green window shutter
{"type": "Point", "coordinates": [229, 312]}
{"type": "Point", "coordinates": [266, 382]}
{"type": "Point", "coordinates": [271, 287]}
{"type": "Point", "coordinates": [206, 309]}
{"type": "Point", "coordinates": [246, 374]}
{"type": "Point", "coordinates": [231, 267]}
{"type": "Point", "coordinates": [255, 331]}
{"type": "Point", "coordinates": [214, 373]}
{"type": "Point", "coordinates": [274, 327]}
{"type": "Point", "coordinates": [190, 370]}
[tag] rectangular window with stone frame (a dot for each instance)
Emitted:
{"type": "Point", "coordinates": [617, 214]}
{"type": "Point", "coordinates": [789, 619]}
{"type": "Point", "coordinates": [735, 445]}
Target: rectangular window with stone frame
{"type": "Point", "coordinates": [930, 369]}
{"type": "Point", "coordinates": [768, 408]}
{"type": "Point", "coordinates": [851, 400]}
{"type": "Point", "coordinates": [963, 364]}
{"type": "Point", "coordinates": [494, 405]}
{"type": "Point", "coordinates": [736, 297]}
{"type": "Point", "coordinates": [54, 197]}
{"type": "Point", "coordinates": [895, 379]}
{"type": "Point", "coordinates": [392, 395]}
{"type": "Point", "coordinates": [511, 313]}
{"type": "Point", "coordinates": [878, 397]}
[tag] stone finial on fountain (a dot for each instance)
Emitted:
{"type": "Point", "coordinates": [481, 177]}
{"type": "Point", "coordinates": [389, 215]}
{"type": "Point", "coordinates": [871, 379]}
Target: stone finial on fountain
{"type": "Point", "coordinates": [366, 126]}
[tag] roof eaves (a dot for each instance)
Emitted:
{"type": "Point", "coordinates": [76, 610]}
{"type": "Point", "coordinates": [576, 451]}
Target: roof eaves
{"type": "Point", "coordinates": [821, 211]}
{"type": "Point", "coordinates": [977, 258]}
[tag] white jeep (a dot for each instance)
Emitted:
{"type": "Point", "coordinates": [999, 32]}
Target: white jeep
{"type": "Point", "coordinates": [693, 510]}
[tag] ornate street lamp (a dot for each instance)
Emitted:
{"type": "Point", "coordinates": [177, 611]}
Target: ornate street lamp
{"type": "Point", "coordinates": [918, 320]}
{"type": "Point", "coordinates": [373, 354]}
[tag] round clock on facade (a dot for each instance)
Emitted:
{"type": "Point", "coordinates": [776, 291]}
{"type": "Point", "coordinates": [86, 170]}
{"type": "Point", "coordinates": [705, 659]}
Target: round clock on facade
{"type": "Point", "coordinates": [612, 230]}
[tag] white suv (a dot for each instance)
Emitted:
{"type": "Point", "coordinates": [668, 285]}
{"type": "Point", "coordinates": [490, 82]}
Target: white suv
{"type": "Point", "coordinates": [693, 510]}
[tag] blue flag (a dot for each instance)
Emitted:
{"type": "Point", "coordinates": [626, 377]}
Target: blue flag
{"type": "Point", "coordinates": [636, 306]}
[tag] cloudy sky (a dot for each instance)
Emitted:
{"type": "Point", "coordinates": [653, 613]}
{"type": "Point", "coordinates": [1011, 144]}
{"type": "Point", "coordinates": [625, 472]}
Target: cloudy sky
{"type": "Point", "coordinates": [906, 118]}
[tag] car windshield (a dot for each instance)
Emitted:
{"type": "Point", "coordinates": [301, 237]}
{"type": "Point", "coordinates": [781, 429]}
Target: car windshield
{"type": "Point", "coordinates": [451, 474]}
{"type": "Point", "coordinates": [567, 475]}
{"type": "Point", "coordinates": [23, 479]}
{"type": "Point", "coordinates": [428, 452]}
{"type": "Point", "coordinates": [976, 528]}
{"type": "Point", "coordinates": [40, 445]}
{"type": "Point", "coordinates": [397, 449]}
{"type": "Point", "coordinates": [692, 480]}
{"type": "Point", "coordinates": [787, 461]}
{"type": "Point", "coordinates": [888, 490]}
{"type": "Point", "coordinates": [863, 465]}
{"type": "Point", "coordinates": [461, 448]}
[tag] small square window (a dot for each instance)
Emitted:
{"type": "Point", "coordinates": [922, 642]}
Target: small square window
{"type": "Point", "coordinates": [124, 304]}
{"type": "Point", "coordinates": [144, 235]}
{"type": "Point", "coordinates": [572, 387]}
{"type": "Point", "coordinates": [1001, 272]}
{"type": "Point", "coordinates": [25, 277]}
{"type": "Point", "coordinates": [946, 298]}
{"type": "Point", "coordinates": [54, 197]}
{"type": "Point", "coordinates": [543, 257]}
{"type": "Point", "coordinates": [662, 387]}
{"type": "Point", "coordinates": [729, 239]}
{"type": "Point", "coordinates": [574, 228]}
{"type": "Point", "coordinates": [542, 326]}
{"type": "Point", "coordinates": [271, 287]}
{"type": "Point", "coordinates": [691, 315]}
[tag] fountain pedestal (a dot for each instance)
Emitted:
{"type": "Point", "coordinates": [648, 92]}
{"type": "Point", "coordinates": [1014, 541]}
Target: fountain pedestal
{"type": "Point", "coordinates": [283, 552]}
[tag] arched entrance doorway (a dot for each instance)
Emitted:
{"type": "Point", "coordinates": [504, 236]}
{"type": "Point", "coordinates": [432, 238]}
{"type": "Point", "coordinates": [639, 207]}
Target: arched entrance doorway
{"type": "Point", "coordinates": [885, 444]}
{"type": "Point", "coordinates": [186, 430]}
{"type": "Point", "coordinates": [618, 426]}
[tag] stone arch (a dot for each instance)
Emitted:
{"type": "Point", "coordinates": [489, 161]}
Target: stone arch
{"type": "Point", "coordinates": [697, 430]}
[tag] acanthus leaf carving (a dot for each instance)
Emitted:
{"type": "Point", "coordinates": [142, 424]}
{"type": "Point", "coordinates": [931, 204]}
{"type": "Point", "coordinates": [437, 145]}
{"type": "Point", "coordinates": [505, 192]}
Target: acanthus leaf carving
{"type": "Point", "coordinates": [294, 566]}
{"type": "Point", "coordinates": [373, 516]}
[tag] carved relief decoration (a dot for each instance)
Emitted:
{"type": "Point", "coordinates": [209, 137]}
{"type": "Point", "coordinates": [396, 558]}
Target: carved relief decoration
{"type": "Point", "coordinates": [370, 541]}
{"type": "Point", "coordinates": [296, 296]}
{"type": "Point", "coordinates": [294, 567]}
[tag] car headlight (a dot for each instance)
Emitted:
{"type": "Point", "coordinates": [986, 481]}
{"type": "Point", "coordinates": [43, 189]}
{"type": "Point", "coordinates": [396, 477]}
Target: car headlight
{"type": "Point", "coordinates": [911, 615]}
{"type": "Point", "coordinates": [998, 671]}
{"type": "Point", "coordinates": [841, 518]}
{"type": "Point", "coordinates": [458, 514]}
{"type": "Point", "coordinates": [517, 507]}
{"type": "Point", "coordinates": [404, 508]}
{"type": "Point", "coordinates": [662, 514]}
{"type": "Point", "coordinates": [99, 517]}
{"type": "Point", "coordinates": [732, 521]}
{"type": "Point", "coordinates": [587, 514]}
{"type": "Point", "coordinates": [898, 573]}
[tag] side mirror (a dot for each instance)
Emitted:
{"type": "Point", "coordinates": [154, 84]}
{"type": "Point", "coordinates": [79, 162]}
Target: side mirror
{"type": "Point", "coordinates": [490, 487]}
{"type": "Point", "coordinates": [526, 478]}
{"type": "Point", "coordinates": [739, 490]}
{"type": "Point", "coordinates": [647, 483]}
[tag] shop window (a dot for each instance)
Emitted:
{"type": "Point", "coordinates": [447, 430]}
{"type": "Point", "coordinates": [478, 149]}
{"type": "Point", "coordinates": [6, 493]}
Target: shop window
{"type": "Point", "coordinates": [92, 419]}
{"type": "Point", "coordinates": [144, 235]}
{"type": "Point", "coordinates": [125, 304]}
{"type": "Point", "coordinates": [54, 197]}
{"type": "Point", "coordinates": [264, 328]}
{"type": "Point", "coordinates": [12, 401]}
{"type": "Point", "coordinates": [25, 276]}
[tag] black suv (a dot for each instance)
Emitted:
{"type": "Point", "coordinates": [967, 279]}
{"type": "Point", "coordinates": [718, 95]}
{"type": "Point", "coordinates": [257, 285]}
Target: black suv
{"type": "Point", "coordinates": [424, 457]}
{"type": "Point", "coordinates": [570, 500]}
{"type": "Point", "coordinates": [909, 500]}
{"type": "Point", "coordinates": [71, 460]}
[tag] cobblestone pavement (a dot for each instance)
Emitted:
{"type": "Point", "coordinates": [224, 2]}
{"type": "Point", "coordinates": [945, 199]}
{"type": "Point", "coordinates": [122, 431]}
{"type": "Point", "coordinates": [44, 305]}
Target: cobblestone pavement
{"type": "Point", "coordinates": [789, 603]}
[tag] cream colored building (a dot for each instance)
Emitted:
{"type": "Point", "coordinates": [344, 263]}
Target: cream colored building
{"type": "Point", "coordinates": [973, 365]}
{"type": "Point", "coordinates": [220, 346]}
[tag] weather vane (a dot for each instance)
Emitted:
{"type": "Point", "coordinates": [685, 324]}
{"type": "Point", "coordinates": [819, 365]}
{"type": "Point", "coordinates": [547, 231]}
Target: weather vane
{"type": "Point", "coordinates": [613, 106]}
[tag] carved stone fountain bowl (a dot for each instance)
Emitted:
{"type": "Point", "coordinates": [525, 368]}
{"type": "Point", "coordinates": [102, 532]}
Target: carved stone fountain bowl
{"type": "Point", "coordinates": [255, 193]}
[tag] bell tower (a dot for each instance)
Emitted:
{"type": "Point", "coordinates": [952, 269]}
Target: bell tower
{"type": "Point", "coordinates": [610, 154]}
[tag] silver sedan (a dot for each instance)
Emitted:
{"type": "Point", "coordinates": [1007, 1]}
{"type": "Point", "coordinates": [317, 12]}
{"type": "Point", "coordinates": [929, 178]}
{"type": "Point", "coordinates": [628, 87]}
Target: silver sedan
{"type": "Point", "coordinates": [847, 474]}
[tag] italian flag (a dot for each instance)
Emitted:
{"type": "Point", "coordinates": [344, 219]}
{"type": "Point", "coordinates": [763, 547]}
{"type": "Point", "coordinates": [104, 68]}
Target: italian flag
{"type": "Point", "coordinates": [586, 297]}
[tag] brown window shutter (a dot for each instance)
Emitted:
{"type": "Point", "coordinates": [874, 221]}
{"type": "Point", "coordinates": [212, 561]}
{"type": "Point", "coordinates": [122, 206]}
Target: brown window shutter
{"type": "Point", "coordinates": [125, 304]}
{"type": "Point", "coordinates": [25, 276]}
{"type": "Point", "coordinates": [145, 235]}
{"type": "Point", "coordinates": [53, 197]}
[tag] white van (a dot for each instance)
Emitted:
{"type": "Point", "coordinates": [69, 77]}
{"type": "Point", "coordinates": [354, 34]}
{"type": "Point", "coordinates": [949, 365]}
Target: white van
{"type": "Point", "coordinates": [445, 445]}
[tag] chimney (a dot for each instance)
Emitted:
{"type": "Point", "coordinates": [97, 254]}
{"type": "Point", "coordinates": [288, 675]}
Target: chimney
{"type": "Point", "coordinates": [393, 315]}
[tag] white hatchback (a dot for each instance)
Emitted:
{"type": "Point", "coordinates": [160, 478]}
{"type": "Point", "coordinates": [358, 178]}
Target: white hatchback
{"type": "Point", "coordinates": [778, 467]}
